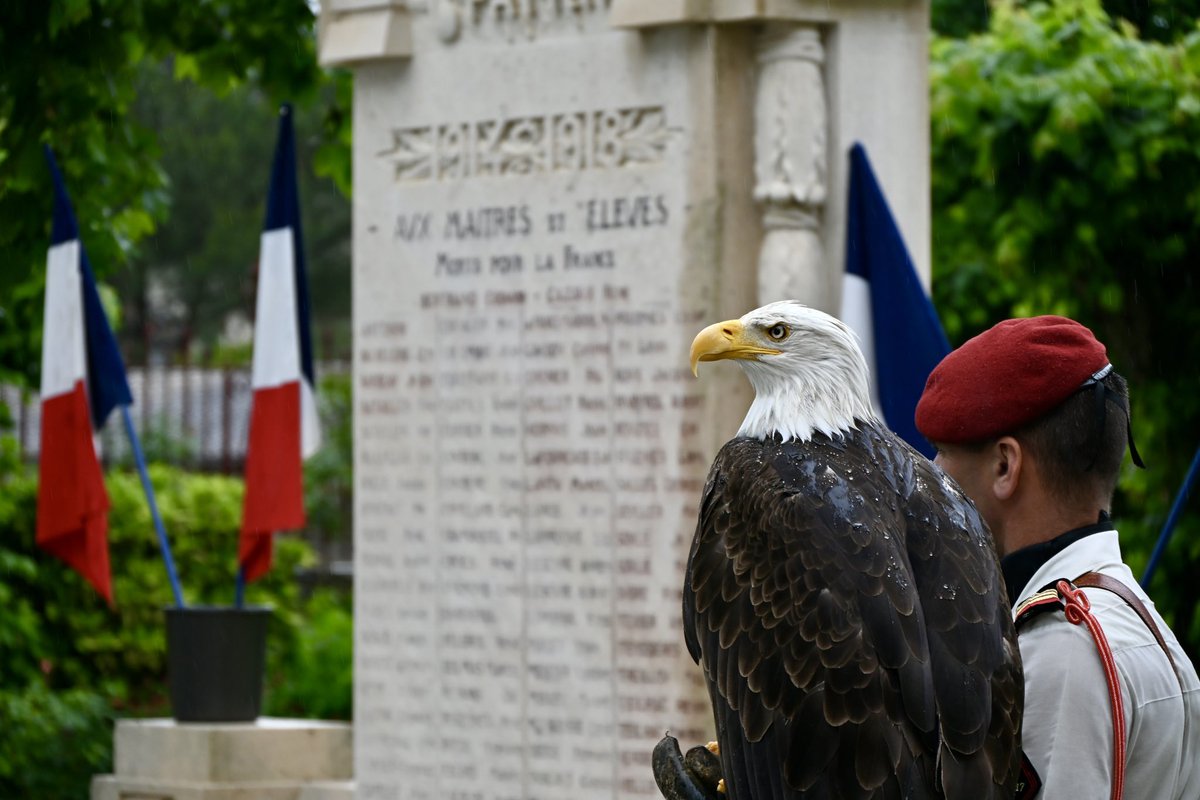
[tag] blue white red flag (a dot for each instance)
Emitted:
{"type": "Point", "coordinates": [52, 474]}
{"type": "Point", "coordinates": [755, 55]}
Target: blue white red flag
{"type": "Point", "coordinates": [83, 380]}
{"type": "Point", "coordinates": [885, 304]}
{"type": "Point", "coordinates": [283, 421]}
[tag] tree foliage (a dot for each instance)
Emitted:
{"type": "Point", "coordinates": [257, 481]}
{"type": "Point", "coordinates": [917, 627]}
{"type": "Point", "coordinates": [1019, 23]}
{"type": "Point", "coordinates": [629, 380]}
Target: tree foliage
{"type": "Point", "coordinates": [1160, 20]}
{"type": "Point", "coordinates": [68, 79]}
{"type": "Point", "coordinates": [1066, 179]}
{"type": "Point", "coordinates": [959, 17]}
{"type": "Point", "coordinates": [200, 265]}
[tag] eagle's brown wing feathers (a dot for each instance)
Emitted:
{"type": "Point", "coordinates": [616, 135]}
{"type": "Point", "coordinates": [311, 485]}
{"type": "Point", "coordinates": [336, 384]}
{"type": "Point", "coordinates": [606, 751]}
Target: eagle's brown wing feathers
{"type": "Point", "coordinates": [848, 615]}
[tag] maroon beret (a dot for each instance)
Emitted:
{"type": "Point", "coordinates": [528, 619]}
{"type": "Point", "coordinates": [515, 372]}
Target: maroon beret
{"type": "Point", "coordinates": [1006, 377]}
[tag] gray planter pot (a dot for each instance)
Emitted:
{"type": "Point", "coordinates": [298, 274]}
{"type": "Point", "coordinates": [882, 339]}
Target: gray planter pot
{"type": "Point", "coordinates": [215, 662]}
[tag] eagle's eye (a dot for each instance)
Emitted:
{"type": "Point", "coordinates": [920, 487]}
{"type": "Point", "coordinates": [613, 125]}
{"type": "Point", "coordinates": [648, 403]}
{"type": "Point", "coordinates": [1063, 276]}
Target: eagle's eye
{"type": "Point", "coordinates": [778, 332]}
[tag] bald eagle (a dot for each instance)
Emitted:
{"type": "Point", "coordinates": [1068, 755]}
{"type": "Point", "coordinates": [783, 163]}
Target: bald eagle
{"type": "Point", "coordinates": [842, 595]}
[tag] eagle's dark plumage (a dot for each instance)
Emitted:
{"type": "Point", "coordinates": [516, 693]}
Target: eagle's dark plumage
{"type": "Point", "coordinates": [842, 595]}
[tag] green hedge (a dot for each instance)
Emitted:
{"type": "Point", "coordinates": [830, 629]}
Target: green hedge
{"type": "Point", "coordinates": [57, 629]}
{"type": "Point", "coordinates": [315, 678]}
{"type": "Point", "coordinates": [71, 663]}
{"type": "Point", "coordinates": [52, 742]}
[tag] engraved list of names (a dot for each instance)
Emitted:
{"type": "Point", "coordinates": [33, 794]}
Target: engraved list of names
{"type": "Point", "coordinates": [527, 473]}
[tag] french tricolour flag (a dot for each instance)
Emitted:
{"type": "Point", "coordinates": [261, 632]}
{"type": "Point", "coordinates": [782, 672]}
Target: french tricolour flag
{"type": "Point", "coordinates": [885, 304]}
{"type": "Point", "coordinates": [283, 421]}
{"type": "Point", "coordinates": [83, 380]}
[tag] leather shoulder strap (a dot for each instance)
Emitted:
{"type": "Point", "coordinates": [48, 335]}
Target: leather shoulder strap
{"type": "Point", "coordinates": [1098, 581]}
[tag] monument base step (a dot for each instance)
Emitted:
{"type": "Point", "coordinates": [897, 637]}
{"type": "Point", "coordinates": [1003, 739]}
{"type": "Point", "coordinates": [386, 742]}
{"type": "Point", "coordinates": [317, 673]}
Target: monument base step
{"type": "Point", "coordinates": [328, 790]}
{"type": "Point", "coordinates": [113, 787]}
{"type": "Point", "coordinates": [269, 759]}
{"type": "Point", "coordinates": [269, 749]}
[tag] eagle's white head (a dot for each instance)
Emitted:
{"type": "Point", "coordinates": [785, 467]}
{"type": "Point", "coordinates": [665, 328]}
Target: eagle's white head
{"type": "Point", "coordinates": [808, 373]}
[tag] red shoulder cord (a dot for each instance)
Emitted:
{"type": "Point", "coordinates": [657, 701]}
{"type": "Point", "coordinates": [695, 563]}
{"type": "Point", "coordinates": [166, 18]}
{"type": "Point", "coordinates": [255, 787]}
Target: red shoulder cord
{"type": "Point", "coordinates": [1078, 610]}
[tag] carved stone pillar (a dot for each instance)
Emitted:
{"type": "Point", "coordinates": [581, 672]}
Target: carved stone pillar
{"type": "Point", "coordinates": [791, 165]}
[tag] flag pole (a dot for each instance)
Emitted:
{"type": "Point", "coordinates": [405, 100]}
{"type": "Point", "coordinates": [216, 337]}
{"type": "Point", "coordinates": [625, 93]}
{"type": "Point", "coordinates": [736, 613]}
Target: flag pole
{"type": "Point", "coordinates": [1172, 519]}
{"type": "Point", "coordinates": [239, 598]}
{"type": "Point", "coordinates": [163, 544]}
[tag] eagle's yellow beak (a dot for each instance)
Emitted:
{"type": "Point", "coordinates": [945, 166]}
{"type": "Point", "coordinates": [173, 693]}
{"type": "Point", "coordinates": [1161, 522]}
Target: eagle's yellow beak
{"type": "Point", "coordinates": [726, 340]}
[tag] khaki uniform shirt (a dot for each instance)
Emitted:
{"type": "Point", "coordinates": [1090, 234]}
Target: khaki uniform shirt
{"type": "Point", "coordinates": [1068, 732]}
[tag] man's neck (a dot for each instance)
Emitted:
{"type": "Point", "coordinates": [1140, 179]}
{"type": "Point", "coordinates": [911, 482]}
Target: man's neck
{"type": "Point", "coordinates": [1034, 523]}
{"type": "Point", "coordinates": [1020, 566]}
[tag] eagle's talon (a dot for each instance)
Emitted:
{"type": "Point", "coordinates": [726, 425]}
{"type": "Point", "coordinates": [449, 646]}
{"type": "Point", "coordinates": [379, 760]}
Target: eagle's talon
{"type": "Point", "coordinates": [694, 776]}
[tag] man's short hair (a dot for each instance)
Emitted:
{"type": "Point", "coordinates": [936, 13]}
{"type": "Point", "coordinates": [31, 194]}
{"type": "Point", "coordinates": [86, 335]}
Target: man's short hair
{"type": "Point", "coordinates": [1079, 447]}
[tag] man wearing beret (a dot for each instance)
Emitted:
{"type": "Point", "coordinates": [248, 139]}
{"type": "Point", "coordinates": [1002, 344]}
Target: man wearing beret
{"type": "Point", "coordinates": [1031, 420]}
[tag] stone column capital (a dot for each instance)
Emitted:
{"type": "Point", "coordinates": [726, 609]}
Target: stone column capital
{"type": "Point", "coordinates": [356, 31]}
{"type": "Point", "coordinates": [784, 42]}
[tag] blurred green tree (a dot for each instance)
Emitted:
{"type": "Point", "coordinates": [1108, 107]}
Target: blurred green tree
{"type": "Point", "coordinates": [1066, 179]}
{"type": "Point", "coordinates": [69, 79]}
{"type": "Point", "coordinates": [959, 17]}
{"type": "Point", "coordinates": [184, 280]}
{"type": "Point", "coordinates": [1160, 20]}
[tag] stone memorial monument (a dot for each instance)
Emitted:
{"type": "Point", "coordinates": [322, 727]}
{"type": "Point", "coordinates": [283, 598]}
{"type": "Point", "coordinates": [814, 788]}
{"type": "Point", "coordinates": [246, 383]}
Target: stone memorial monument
{"type": "Point", "coordinates": [550, 198]}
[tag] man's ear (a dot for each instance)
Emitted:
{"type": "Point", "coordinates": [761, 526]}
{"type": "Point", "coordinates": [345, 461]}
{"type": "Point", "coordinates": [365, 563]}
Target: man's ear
{"type": "Point", "coordinates": [1007, 464]}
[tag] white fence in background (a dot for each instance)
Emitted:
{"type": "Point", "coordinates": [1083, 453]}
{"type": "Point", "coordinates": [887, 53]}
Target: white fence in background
{"type": "Point", "coordinates": [190, 416]}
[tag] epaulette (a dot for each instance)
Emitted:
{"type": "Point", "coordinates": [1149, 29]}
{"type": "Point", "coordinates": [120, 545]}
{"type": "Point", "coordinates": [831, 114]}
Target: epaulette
{"type": "Point", "coordinates": [1047, 599]}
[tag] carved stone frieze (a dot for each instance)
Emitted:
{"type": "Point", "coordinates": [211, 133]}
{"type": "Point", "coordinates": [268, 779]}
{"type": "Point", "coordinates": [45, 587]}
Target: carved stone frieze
{"type": "Point", "coordinates": [578, 140]}
{"type": "Point", "coordinates": [509, 18]}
